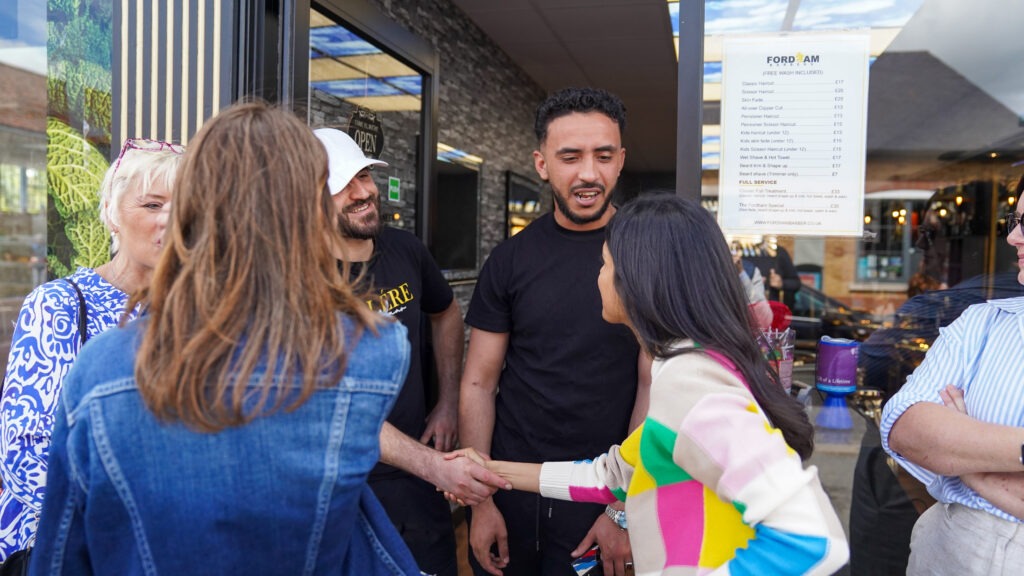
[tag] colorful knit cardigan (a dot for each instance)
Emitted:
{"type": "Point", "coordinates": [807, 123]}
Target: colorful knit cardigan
{"type": "Point", "coordinates": [709, 485]}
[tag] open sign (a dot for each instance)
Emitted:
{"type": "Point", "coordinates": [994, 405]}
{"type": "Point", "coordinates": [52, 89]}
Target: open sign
{"type": "Point", "coordinates": [366, 128]}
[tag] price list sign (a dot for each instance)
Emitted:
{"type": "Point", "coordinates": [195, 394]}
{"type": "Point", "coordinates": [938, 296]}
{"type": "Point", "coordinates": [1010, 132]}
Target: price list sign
{"type": "Point", "coordinates": [794, 113]}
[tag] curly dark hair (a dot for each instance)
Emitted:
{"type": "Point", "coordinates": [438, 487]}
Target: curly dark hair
{"type": "Point", "coordinates": [569, 100]}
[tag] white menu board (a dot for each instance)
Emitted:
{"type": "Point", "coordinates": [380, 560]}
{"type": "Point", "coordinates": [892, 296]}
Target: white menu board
{"type": "Point", "coordinates": [794, 113]}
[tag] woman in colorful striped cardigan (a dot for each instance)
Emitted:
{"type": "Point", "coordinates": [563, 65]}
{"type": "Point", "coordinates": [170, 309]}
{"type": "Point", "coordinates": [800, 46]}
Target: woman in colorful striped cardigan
{"type": "Point", "coordinates": [713, 480]}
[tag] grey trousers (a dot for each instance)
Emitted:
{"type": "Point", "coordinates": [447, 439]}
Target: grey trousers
{"type": "Point", "coordinates": [955, 539]}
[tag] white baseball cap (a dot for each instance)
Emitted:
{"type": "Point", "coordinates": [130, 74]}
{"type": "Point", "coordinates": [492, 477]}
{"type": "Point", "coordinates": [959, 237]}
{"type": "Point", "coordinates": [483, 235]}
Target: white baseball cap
{"type": "Point", "coordinates": [344, 158]}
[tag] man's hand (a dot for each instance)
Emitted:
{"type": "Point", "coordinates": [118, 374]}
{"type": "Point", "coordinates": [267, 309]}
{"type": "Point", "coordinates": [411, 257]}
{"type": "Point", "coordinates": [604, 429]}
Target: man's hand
{"type": "Point", "coordinates": [465, 479]}
{"type": "Point", "coordinates": [774, 280]}
{"type": "Point", "coordinates": [616, 553]}
{"type": "Point", "coordinates": [462, 478]}
{"type": "Point", "coordinates": [488, 529]}
{"type": "Point", "coordinates": [442, 426]}
{"type": "Point", "coordinates": [1004, 490]}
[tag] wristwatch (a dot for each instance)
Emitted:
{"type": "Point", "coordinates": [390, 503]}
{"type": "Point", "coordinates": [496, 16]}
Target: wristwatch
{"type": "Point", "coordinates": [617, 516]}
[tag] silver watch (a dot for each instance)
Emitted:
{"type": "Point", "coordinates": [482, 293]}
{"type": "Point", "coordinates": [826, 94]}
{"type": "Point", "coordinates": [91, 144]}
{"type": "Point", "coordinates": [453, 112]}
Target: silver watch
{"type": "Point", "coordinates": [617, 516]}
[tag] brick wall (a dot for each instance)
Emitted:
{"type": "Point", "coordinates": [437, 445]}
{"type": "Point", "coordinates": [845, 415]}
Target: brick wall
{"type": "Point", "coordinates": [486, 102]}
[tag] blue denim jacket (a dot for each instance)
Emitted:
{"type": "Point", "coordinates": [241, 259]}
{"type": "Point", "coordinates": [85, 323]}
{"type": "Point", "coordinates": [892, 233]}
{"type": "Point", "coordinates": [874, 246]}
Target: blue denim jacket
{"type": "Point", "coordinates": [285, 494]}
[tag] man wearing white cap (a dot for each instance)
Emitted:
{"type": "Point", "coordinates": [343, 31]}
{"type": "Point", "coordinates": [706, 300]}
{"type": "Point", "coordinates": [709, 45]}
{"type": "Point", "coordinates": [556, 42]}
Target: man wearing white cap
{"type": "Point", "coordinates": [405, 282]}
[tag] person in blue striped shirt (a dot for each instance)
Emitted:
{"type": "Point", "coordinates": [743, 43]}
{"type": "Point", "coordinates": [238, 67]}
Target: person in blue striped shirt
{"type": "Point", "coordinates": [958, 426]}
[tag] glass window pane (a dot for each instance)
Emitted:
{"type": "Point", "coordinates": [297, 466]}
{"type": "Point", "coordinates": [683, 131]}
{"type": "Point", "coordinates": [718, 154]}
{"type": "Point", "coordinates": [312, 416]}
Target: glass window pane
{"type": "Point", "coordinates": [349, 75]}
{"type": "Point", "coordinates": [944, 150]}
{"type": "Point", "coordinates": [944, 141]}
{"type": "Point", "coordinates": [22, 157]}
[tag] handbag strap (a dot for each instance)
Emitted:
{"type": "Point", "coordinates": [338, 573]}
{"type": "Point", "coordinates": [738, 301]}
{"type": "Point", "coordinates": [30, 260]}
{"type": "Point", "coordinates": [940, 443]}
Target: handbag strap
{"type": "Point", "coordinates": [82, 312]}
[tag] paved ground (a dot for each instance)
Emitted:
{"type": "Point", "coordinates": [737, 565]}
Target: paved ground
{"type": "Point", "coordinates": [835, 454]}
{"type": "Point", "coordinates": [835, 467]}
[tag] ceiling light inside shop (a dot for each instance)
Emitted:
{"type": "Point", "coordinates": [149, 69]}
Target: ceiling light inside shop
{"type": "Point", "coordinates": [344, 65]}
{"type": "Point", "coordinates": [453, 155]}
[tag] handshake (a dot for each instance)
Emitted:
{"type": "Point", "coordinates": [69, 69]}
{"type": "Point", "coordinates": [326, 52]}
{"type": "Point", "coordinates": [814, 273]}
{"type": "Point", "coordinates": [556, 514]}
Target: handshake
{"type": "Point", "coordinates": [489, 476]}
{"type": "Point", "coordinates": [471, 477]}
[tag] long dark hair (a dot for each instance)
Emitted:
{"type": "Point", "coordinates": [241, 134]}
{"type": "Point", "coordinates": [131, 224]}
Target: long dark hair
{"type": "Point", "coordinates": [676, 280]}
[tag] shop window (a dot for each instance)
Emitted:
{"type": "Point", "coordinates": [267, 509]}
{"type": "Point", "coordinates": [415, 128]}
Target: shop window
{"type": "Point", "coordinates": [523, 200]}
{"type": "Point", "coordinates": [939, 152]}
{"type": "Point", "coordinates": [455, 217]}
{"type": "Point", "coordinates": [891, 221]}
{"type": "Point", "coordinates": [357, 86]}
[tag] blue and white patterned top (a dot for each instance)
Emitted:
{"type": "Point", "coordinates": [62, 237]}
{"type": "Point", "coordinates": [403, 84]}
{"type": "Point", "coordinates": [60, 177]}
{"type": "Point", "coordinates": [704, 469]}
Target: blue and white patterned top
{"type": "Point", "coordinates": [45, 344]}
{"type": "Point", "coordinates": [979, 353]}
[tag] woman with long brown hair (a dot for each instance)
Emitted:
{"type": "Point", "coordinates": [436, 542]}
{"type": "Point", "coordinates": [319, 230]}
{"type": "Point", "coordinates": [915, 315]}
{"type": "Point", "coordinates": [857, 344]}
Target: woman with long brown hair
{"type": "Point", "coordinates": [230, 429]}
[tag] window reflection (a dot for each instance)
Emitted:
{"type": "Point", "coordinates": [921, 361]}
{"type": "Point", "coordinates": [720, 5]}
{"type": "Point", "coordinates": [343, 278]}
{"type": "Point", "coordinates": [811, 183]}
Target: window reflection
{"type": "Point", "coordinates": [22, 157]}
{"type": "Point", "coordinates": [891, 219]}
{"type": "Point", "coordinates": [22, 148]}
{"type": "Point", "coordinates": [363, 90]}
{"type": "Point", "coordinates": [943, 123]}
{"type": "Point", "coordinates": [944, 150]}
{"type": "Point", "coordinates": [344, 65]}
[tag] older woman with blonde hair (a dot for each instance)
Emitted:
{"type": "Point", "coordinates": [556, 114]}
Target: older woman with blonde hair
{"type": "Point", "coordinates": [231, 427]}
{"type": "Point", "coordinates": [58, 317]}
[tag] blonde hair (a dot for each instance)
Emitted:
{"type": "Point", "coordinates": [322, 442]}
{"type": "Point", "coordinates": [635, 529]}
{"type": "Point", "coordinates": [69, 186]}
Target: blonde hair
{"type": "Point", "coordinates": [247, 279]}
{"type": "Point", "coordinates": [135, 170]}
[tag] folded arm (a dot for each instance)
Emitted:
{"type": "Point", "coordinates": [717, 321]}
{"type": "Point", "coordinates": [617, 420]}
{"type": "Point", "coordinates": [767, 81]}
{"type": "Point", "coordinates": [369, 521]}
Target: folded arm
{"type": "Point", "coordinates": [953, 444]}
{"type": "Point", "coordinates": [1005, 490]}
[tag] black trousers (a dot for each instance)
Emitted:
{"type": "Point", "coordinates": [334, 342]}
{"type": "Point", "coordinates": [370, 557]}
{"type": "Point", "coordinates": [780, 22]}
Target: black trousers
{"type": "Point", "coordinates": [541, 533]}
{"type": "Point", "coordinates": [424, 519]}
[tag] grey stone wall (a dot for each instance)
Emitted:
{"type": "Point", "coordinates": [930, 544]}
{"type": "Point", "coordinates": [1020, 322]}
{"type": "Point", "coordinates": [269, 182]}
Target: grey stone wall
{"type": "Point", "coordinates": [400, 131]}
{"type": "Point", "coordinates": [486, 106]}
{"type": "Point", "coordinates": [486, 102]}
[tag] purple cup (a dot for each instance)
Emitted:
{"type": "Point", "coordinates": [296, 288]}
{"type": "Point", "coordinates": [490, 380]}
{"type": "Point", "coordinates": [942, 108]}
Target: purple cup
{"type": "Point", "coordinates": [836, 367]}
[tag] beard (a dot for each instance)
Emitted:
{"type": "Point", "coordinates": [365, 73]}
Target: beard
{"type": "Point", "coordinates": [575, 217]}
{"type": "Point", "coordinates": [365, 228]}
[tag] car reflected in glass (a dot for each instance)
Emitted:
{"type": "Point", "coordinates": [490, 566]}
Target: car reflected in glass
{"type": "Point", "coordinates": [815, 314]}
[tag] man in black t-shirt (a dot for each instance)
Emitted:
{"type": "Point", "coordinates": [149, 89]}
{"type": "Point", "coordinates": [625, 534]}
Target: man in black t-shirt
{"type": "Point", "coordinates": [780, 276]}
{"type": "Point", "coordinates": [403, 281]}
{"type": "Point", "coordinates": [546, 377]}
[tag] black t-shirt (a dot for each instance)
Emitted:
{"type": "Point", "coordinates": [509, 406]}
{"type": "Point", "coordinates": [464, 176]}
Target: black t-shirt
{"type": "Point", "coordinates": [569, 381]}
{"type": "Point", "coordinates": [405, 282]}
{"type": "Point", "coordinates": [783, 266]}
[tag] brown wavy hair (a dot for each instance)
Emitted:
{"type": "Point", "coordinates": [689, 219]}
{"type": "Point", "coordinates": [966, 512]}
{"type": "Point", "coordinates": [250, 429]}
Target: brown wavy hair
{"type": "Point", "coordinates": [247, 280]}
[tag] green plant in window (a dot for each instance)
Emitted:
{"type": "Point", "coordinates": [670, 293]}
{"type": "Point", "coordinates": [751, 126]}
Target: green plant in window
{"type": "Point", "coordinates": [75, 170]}
{"type": "Point", "coordinates": [79, 92]}
{"type": "Point", "coordinates": [79, 64]}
